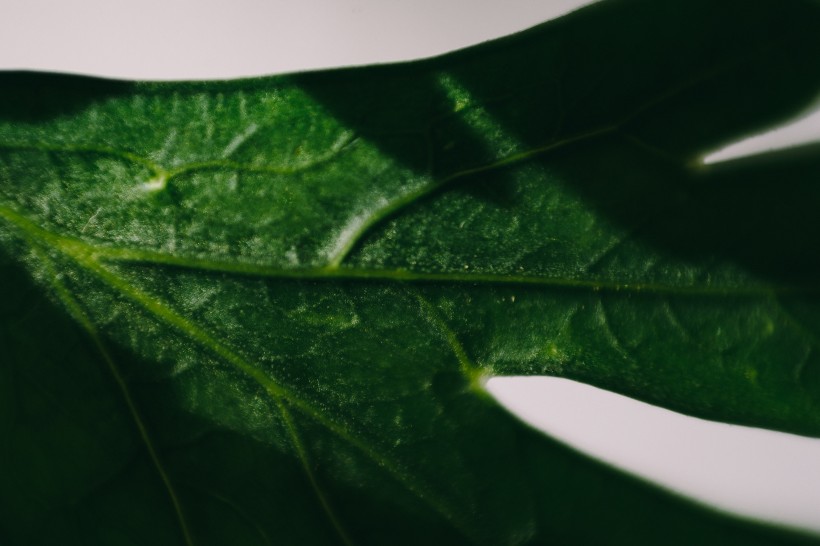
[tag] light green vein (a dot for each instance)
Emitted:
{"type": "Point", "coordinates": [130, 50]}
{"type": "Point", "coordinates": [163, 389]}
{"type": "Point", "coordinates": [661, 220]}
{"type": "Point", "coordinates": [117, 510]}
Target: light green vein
{"type": "Point", "coordinates": [78, 314]}
{"type": "Point", "coordinates": [344, 142]}
{"type": "Point", "coordinates": [274, 389]}
{"type": "Point", "coordinates": [87, 258]}
{"type": "Point", "coordinates": [232, 166]}
{"type": "Point", "coordinates": [101, 254]}
{"type": "Point", "coordinates": [80, 150]}
{"type": "Point", "coordinates": [396, 205]}
{"type": "Point", "coordinates": [475, 375]}
{"type": "Point", "coordinates": [423, 492]}
{"type": "Point", "coordinates": [301, 452]}
{"type": "Point", "coordinates": [167, 174]}
{"type": "Point", "coordinates": [138, 256]}
{"type": "Point", "coordinates": [352, 240]}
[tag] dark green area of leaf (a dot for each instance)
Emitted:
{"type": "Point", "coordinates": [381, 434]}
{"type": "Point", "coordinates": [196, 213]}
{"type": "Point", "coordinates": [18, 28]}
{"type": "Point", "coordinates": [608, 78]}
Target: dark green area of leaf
{"type": "Point", "coordinates": [261, 311]}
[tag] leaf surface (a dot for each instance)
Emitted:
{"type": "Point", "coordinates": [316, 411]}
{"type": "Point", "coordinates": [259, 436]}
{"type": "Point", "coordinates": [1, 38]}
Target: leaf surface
{"type": "Point", "coordinates": [262, 311]}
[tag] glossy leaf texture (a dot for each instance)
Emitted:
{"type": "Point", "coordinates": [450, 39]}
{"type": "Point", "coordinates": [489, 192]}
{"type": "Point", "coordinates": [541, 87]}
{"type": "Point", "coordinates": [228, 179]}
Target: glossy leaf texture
{"type": "Point", "coordinates": [262, 311]}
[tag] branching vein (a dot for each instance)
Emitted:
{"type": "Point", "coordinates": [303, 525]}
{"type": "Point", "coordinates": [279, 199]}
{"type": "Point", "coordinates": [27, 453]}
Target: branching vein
{"type": "Point", "coordinates": [78, 314]}
{"type": "Point", "coordinates": [301, 452]}
{"type": "Point", "coordinates": [86, 257]}
{"type": "Point", "coordinates": [104, 254]}
{"type": "Point", "coordinates": [469, 370]}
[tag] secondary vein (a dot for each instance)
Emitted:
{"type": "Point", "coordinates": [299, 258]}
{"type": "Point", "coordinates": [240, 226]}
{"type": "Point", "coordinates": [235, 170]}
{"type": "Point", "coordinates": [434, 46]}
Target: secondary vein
{"type": "Point", "coordinates": [301, 452]}
{"type": "Point", "coordinates": [101, 254]}
{"type": "Point", "coordinates": [80, 316]}
{"type": "Point", "coordinates": [88, 258]}
{"type": "Point", "coordinates": [352, 239]}
{"type": "Point", "coordinates": [472, 373]}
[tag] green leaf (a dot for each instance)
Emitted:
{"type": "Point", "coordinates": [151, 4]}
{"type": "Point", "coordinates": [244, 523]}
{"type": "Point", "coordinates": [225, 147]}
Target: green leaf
{"type": "Point", "coordinates": [262, 311]}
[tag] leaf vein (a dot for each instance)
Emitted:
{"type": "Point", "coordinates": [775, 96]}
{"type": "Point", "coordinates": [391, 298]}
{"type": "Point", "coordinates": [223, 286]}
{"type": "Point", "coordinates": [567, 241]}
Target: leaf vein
{"type": "Point", "coordinates": [301, 452]}
{"type": "Point", "coordinates": [81, 317]}
{"type": "Point", "coordinates": [85, 256]}
{"type": "Point", "coordinates": [472, 373]}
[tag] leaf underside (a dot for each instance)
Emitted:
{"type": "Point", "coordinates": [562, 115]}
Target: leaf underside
{"type": "Point", "coordinates": [262, 311]}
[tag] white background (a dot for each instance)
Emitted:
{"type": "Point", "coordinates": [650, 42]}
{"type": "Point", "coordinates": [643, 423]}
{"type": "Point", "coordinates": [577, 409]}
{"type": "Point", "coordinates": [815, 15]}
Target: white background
{"type": "Point", "coordinates": [762, 473]}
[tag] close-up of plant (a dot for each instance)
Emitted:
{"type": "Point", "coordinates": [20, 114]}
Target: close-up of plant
{"type": "Point", "coordinates": [265, 310]}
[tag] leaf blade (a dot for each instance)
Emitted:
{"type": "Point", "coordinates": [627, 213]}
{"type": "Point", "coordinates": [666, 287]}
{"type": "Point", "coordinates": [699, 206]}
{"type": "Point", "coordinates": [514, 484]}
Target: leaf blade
{"type": "Point", "coordinates": [467, 225]}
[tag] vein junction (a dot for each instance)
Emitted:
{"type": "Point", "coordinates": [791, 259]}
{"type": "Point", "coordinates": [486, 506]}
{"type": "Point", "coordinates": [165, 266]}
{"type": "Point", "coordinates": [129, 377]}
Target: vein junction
{"type": "Point", "coordinates": [77, 312]}
{"type": "Point", "coordinates": [99, 255]}
{"type": "Point", "coordinates": [161, 175]}
{"type": "Point", "coordinates": [90, 259]}
{"type": "Point", "coordinates": [96, 260]}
